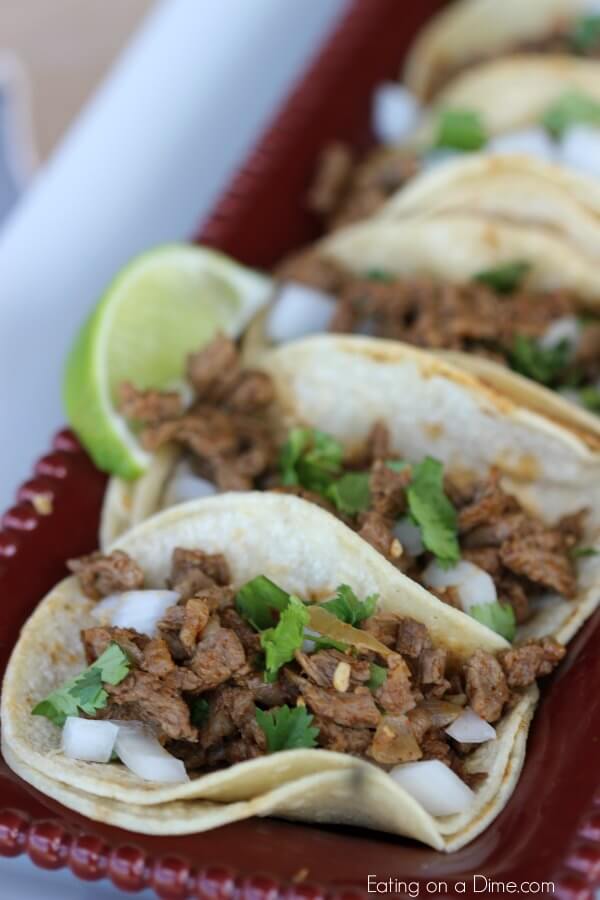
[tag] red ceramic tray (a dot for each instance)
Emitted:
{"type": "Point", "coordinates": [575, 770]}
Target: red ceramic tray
{"type": "Point", "coordinates": [550, 830]}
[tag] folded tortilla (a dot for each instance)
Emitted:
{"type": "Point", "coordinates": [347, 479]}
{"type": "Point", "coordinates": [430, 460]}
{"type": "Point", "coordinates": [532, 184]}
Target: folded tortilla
{"type": "Point", "coordinates": [307, 552]}
{"type": "Point", "coordinates": [468, 31]}
{"type": "Point", "coordinates": [344, 385]}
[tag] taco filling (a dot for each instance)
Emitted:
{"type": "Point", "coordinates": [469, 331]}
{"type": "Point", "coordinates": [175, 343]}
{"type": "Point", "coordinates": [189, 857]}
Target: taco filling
{"type": "Point", "coordinates": [194, 676]}
{"type": "Point", "coordinates": [543, 336]}
{"type": "Point", "coordinates": [467, 540]}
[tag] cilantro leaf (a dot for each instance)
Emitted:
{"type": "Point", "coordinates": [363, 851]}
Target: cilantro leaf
{"type": "Point", "coordinates": [500, 617]}
{"type": "Point", "coordinates": [287, 729]}
{"type": "Point", "coordinates": [379, 275]}
{"type": "Point", "coordinates": [199, 711]}
{"type": "Point", "coordinates": [351, 493]}
{"type": "Point", "coordinates": [504, 279]}
{"type": "Point", "coordinates": [85, 691]}
{"type": "Point", "coordinates": [260, 601]}
{"type": "Point", "coordinates": [590, 397]}
{"type": "Point", "coordinates": [348, 608]}
{"type": "Point", "coordinates": [433, 512]}
{"type": "Point", "coordinates": [542, 364]}
{"type": "Point", "coordinates": [582, 552]}
{"type": "Point", "coordinates": [281, 642]}
{"type": "Point", "coordinates": [585, 36]}
{"type": "Point", "coordinates": [310, 458]}
{"type": "Point", "coordinates": [378, 677]}
{"type": "Point", "coordinates": [325, 643]}
{"type": "Point", "coordinates": [460, 129]}
{"type": "Point", "coordinates": [571, 109]}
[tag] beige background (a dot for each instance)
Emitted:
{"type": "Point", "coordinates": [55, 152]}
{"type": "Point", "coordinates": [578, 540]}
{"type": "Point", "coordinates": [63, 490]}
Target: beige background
{"type": "Point", "coordinates": [65, 47]}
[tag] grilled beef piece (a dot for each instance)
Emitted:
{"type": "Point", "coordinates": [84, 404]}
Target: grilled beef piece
{"type": "Point", "coordinates": [249, 638]}
{"type": "Point", "coordinates": [388, 489]}
{"type": "Point", "coordinates": [193, 570]}
{"type": "Point", "coordinates": [332, 178]}
{"type": "Point", "coordinates": [156, 658]}
{"type": "Point", "coordinates": [412, 638]}
{"type": "Point", "coordinates": [377, 531]}
{"type": "Point", "coordinates": [148, 407]}
{"type": "Point", "coordinates": [100, 575]}
{"type": "Point", "coordinates": [206, 431]}
{"type": "Point", "coordinates": [147, 698]}
{"type": "Point", "coordinates": [354, 741]}
{"type": "Point", "coordinates": [217, 657]}
{"type": "Point", "coordinates": [395, 695]}
{"type": "Point", "coordinates": [311, 268]}
{"type": "Point", "coordinates": [486, 685]}
{"type": "Point", "coordinates": [213, 370]}
{"type": "Point", "coordinates": [394, 742]}
{"type": "Point", "coordinates": [384, 627]}
{"type": "Point", "coordinates": [355, 709]}
{"type": "Point", "coordinates": [524, 663]}
{"type": "Point", "coordinates": [97, 639]}
{"type": "Point", "coordinates": [542, 557]}
{"type": "Point", "coordinates": [322, 667]}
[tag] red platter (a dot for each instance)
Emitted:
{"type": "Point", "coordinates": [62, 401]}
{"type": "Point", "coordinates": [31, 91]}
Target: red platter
{"type": "Point", "coordinates": [550, 830]}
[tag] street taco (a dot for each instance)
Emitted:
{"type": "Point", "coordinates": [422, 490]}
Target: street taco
{"type": "Point", "coordinates": [469, 32]}
{"type": "Point", "coordinates": [540, 107]}
{"type": "Point", "coordinates": [293, 664]}
{"type": "Point", "coordinates": [457, 485]}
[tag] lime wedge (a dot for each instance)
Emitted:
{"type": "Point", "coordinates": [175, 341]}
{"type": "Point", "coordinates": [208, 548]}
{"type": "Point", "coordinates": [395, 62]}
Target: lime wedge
{"type": "Point", "coordinates": [163, 305]}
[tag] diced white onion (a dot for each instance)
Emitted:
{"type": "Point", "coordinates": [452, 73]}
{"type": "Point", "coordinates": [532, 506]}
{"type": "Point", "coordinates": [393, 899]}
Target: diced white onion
{"type": "Point", "coordinates": [396, 113]}
{"type": "Point", "coordinates": [298, 310]}
{"type": "Point", "coordinates": [91, 740]}
{"type": "Point", "coordinates": [105, 609]}
{"type": "Point", "coordinates": [580, 149]}
{"type": "Point", "coordinates": [533, 142]}
{"type": "Point", "coordinates": [567, 328]}
{"type": "Point", "coordinates": [436, 787]}
{"type": "Point", "coordinates": [473, 585]}
{"type": "Point", "coordinates": [185, 485]}
{"type": "Point", "coordinates": [409, 536]}
{"type": "Point", "coordinates": [440, 156]}
{"type": "Point", "coordinates": [470, 728]}
{"type": "Point", "coordinates": [143, 610]}
{"type": "Point", "coordinates": [141, 752]}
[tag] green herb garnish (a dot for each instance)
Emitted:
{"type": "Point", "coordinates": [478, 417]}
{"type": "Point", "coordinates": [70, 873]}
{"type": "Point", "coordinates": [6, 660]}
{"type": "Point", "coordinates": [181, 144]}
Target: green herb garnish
{"type": "Point", "coordinates": [379, 275]}
{"type": "Point", "coordinates": [572, 108]}
{"type": "Point", "coordinates": [311, 459]}
{"type": "Point", "coordinates": [351, 493]}
{"type": "Point", "coordinates": [287, 729]}
{"type": "Point", "coordinates": [500, 617]}
{"type": "Point", "coordinates": [433, 512]}
{"type": "Point", "coordinates": [397, 465]}
{"type": "Point", "coordinates": [505, 279]}
{"type": "Point", "coordinates": [585, 36]}
{"type": "Point", "coordinates": [261, 602]}
{"type": "Point", "coordinates": [85, 692]}
{"type": "Point", "coordinates": [543, 364]}
{"type": "Point", "coordinates": [348, 608]}
{"type": "Point", "coordinates": [590, 397]}
{"type": "Point", "coordinates": [460, 129]}
{"type": "Point", "coordinates": [281, 642]}
{"type": "Point", "coordinates": [199, 710]}
{"type": "Point", "coordinates": [583, 552]}
{"type": "Point", "coordinates": [378, 677]}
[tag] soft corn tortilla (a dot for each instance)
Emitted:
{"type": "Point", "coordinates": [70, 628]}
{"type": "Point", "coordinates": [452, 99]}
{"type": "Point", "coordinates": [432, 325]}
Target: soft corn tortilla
{"type": "Point", "coordinates": [343, 385]}
{"type": "Point", "coordinates": [469, 30]}
{"type": "Point", "coordinates": [510, 188]}
{"type": "Point", "coordinates": [308, 552]}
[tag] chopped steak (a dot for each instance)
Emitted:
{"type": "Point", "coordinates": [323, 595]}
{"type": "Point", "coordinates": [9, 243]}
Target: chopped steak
{"type": "Point", "coordinates": [388, 489]}
{"type": "Point", "coordinates": [486, 505]}
{"type": "Point", "coordinates": [152, 701]}
{"type": "Point", "coordinates": [524, 663]}
{"type": "Point", "coordinates": [149, 407]}
{"type": "Point", "coordinates": [193, 570]}
{"type": "Point", "coordinates": [100, 575]}
{"type": "Point", "coordinates": [252, 391]}
{"type": "Point", "coordinates": [354, 709]}
{"type": "Point", "coordinates": [217, 657]}
{"type": "Point", "coordinates": [354, 741]}
{"type": "Point", "coordinates": [206, 431]}
{"type": "Point", "coordinates": [486, 685]}
{"type": "Point", "coordinates": [412, 638]}
{"type": "Point", "coordinates": [156, 658]}
{"type": "Point", "coordinates": [395, 694]}
{"type": "Point", "coordinates": [309, 267]}
{"type": "Point", "coordinates": [97, 639]}
{"type": "Point", "coordinates": [542, 558]}
{"type": "Point", "coordinates": [384, 627]}
{"type": "Point", "coordinates": [212, 370]}
{"type": "Point", "coordinates": [394, 742]}
{"type": "Point", "coordinates": [432, 666]}
{"type": "Point", "coordinates": [377, 531]}
{"type": "Point", "coordinates": [248, 637]}
{"type": "Point", "coordinates": [332, 177]}
{"type": "Point", "coordinates": [321, 667]}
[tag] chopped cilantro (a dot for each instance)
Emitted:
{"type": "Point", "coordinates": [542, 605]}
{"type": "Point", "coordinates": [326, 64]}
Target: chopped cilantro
{"type": "Point", "coordinates": [281, 642]}
{"type": "Point", "coordinates": [310, 458]}
{"type": "Point", "coordinates": [348, 608]}
{"type": "Point", "coordinates": [199, 711]}
{"type": "Point", "coordinates": [378, 676]}
{"type": "Point", "coordinates": [573, 108]}
{"type": "Point", "coordinates": [85, 691]}
{"type": "Point", "coordinates": [500, 617]}
{"type": "Point", "coordinates": [460, 129]}
{"type": "Point", "coordinates": [433, 512]}
{"type": "Point", "coordinates": [325, 643]}
{"type": "Point", "coordinates": [590, 397]}
{"type": "Point", "coordinates": [261, 601]}
{"type": "Point", "coordinates": [351, 493]}
{"type": "Point", "coordinates": [397, 465]}
{"type": "Point", "coordinates": [379, 275]}
{"type": "Point", "coordinates": [585, 36]}
{"type": "Point", "coordinates": [504, 279]}
{"type": "Point", "coordinates": [582, 552]}
{"type": "Point", "coordinates": [287, 729]}
{"type": "Point", "coordinates": [542, 364]}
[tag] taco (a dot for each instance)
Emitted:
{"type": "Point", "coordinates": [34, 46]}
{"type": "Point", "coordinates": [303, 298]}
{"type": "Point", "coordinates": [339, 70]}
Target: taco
{"type": "Point", "coordinates": [458, 486]}
{"type": "Point", "coordinates": [249, 655]}
{"type": "Point", "coordinates": [542, 107]}
{"type": "Point", "coordinates": [473, 31]}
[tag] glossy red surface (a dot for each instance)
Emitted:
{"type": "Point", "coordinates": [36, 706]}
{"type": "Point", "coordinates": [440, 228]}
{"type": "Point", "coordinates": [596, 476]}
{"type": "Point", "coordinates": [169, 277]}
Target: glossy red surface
{"type": "Point", "coordinates": [549, 831]}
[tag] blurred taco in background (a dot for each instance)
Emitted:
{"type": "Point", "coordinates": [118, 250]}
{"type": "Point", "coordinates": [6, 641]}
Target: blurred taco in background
{"type": "Point", "coordinates": [460, 487]}
{"type": "Point", "coordinates": [250, 655]}
{"type": "Point", "coordinates": [547, 108]}
{"type": "Point", "coordinates": [469, 32]}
